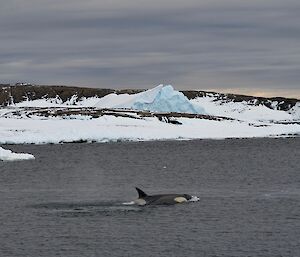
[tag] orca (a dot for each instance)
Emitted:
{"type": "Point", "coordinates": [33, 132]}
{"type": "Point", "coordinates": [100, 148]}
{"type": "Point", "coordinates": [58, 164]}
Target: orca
{"type": "Point", "coordinates": [162, 199]}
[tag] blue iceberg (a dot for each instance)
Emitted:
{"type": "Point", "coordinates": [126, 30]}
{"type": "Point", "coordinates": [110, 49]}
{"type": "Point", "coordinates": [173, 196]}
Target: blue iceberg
{"type": "Point", "coordinates": [165, 99]}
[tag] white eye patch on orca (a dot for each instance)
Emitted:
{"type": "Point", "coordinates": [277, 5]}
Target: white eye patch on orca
{"type": "Point", "coordinates": [180, 199]}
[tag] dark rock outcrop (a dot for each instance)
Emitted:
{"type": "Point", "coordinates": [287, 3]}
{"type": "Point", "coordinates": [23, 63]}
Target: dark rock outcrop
{"type": "Point", "coordinates": [10, 94]}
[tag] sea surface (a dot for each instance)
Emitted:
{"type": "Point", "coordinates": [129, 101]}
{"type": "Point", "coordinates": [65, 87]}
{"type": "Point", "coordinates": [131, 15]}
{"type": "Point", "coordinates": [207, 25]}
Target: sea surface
{"type": "Point", "coordinates": [68, 201]}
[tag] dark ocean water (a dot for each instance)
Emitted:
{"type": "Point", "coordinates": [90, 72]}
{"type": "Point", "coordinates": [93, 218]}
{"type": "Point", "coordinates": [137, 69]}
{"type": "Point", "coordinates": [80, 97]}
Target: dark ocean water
{"type": "Point", "coordinates": [68, 202]}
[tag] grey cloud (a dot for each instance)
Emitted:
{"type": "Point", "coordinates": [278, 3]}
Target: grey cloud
{"type": "Point", "coordinates": [124, 44]}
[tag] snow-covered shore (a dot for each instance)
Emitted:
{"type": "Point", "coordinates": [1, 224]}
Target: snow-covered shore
{"type": "Point", "coordinates": [58, 123]}
{"type": "Point", "coordinates": [110, 128]}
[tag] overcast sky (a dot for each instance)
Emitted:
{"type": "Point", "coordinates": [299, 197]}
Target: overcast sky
{"type": "Point", "coordinates": [236, 45]}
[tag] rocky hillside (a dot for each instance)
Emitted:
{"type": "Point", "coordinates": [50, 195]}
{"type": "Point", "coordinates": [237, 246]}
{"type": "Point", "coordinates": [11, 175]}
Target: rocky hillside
{"type": "Point", "coordinates": [10, 94]}
{"type": "Point", "coordinates": [277, 103]}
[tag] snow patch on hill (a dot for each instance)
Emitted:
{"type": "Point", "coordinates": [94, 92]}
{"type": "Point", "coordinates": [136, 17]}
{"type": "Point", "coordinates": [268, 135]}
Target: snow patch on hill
{"type": "Point", "coordinates": [295, 111]}
{"type": "Point", "coordinates": [58, 102]}
{"type": "Point", "coordinates": [245, 110]}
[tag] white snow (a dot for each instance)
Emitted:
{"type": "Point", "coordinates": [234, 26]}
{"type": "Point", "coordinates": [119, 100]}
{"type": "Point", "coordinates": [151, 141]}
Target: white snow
{"type": "Point", "coordinates": [295, 111]}
{"type": "Point", "coordinates": [110, 128]}
{"type": "Point", "coordinates": [8, 155]}
{"type": "Point", "coordinates": [242, 110]}
{"type": "Point", "coordinates": [57, 102]}
{"type": "Point", "coordinates": [16, 127]}
{"type": "Point", "coordinates": [159, 99]}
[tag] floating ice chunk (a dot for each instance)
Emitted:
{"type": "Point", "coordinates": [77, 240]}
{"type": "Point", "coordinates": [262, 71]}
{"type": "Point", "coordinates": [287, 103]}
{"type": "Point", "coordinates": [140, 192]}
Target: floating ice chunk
{"type": "Point", "coordinates": [8, 155]}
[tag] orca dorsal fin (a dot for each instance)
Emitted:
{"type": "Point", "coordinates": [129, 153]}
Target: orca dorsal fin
{"type": "Point", "coordinates": [141, 193]}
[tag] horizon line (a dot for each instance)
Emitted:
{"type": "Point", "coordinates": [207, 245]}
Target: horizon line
{"type": "Point", "coordinates": [256, 92]}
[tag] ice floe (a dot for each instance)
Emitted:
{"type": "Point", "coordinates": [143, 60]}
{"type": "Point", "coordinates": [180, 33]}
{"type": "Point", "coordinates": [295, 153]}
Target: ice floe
{"type": "Point", "coordinates": [8, 155]}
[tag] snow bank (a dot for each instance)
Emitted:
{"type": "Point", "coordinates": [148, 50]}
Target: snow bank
{"type": "Point", "coordinates": [110, 128]}
{"type": "Point", "coordinates": [8, 155]}
{"type": "Point", "coordinates": [159, 99]}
